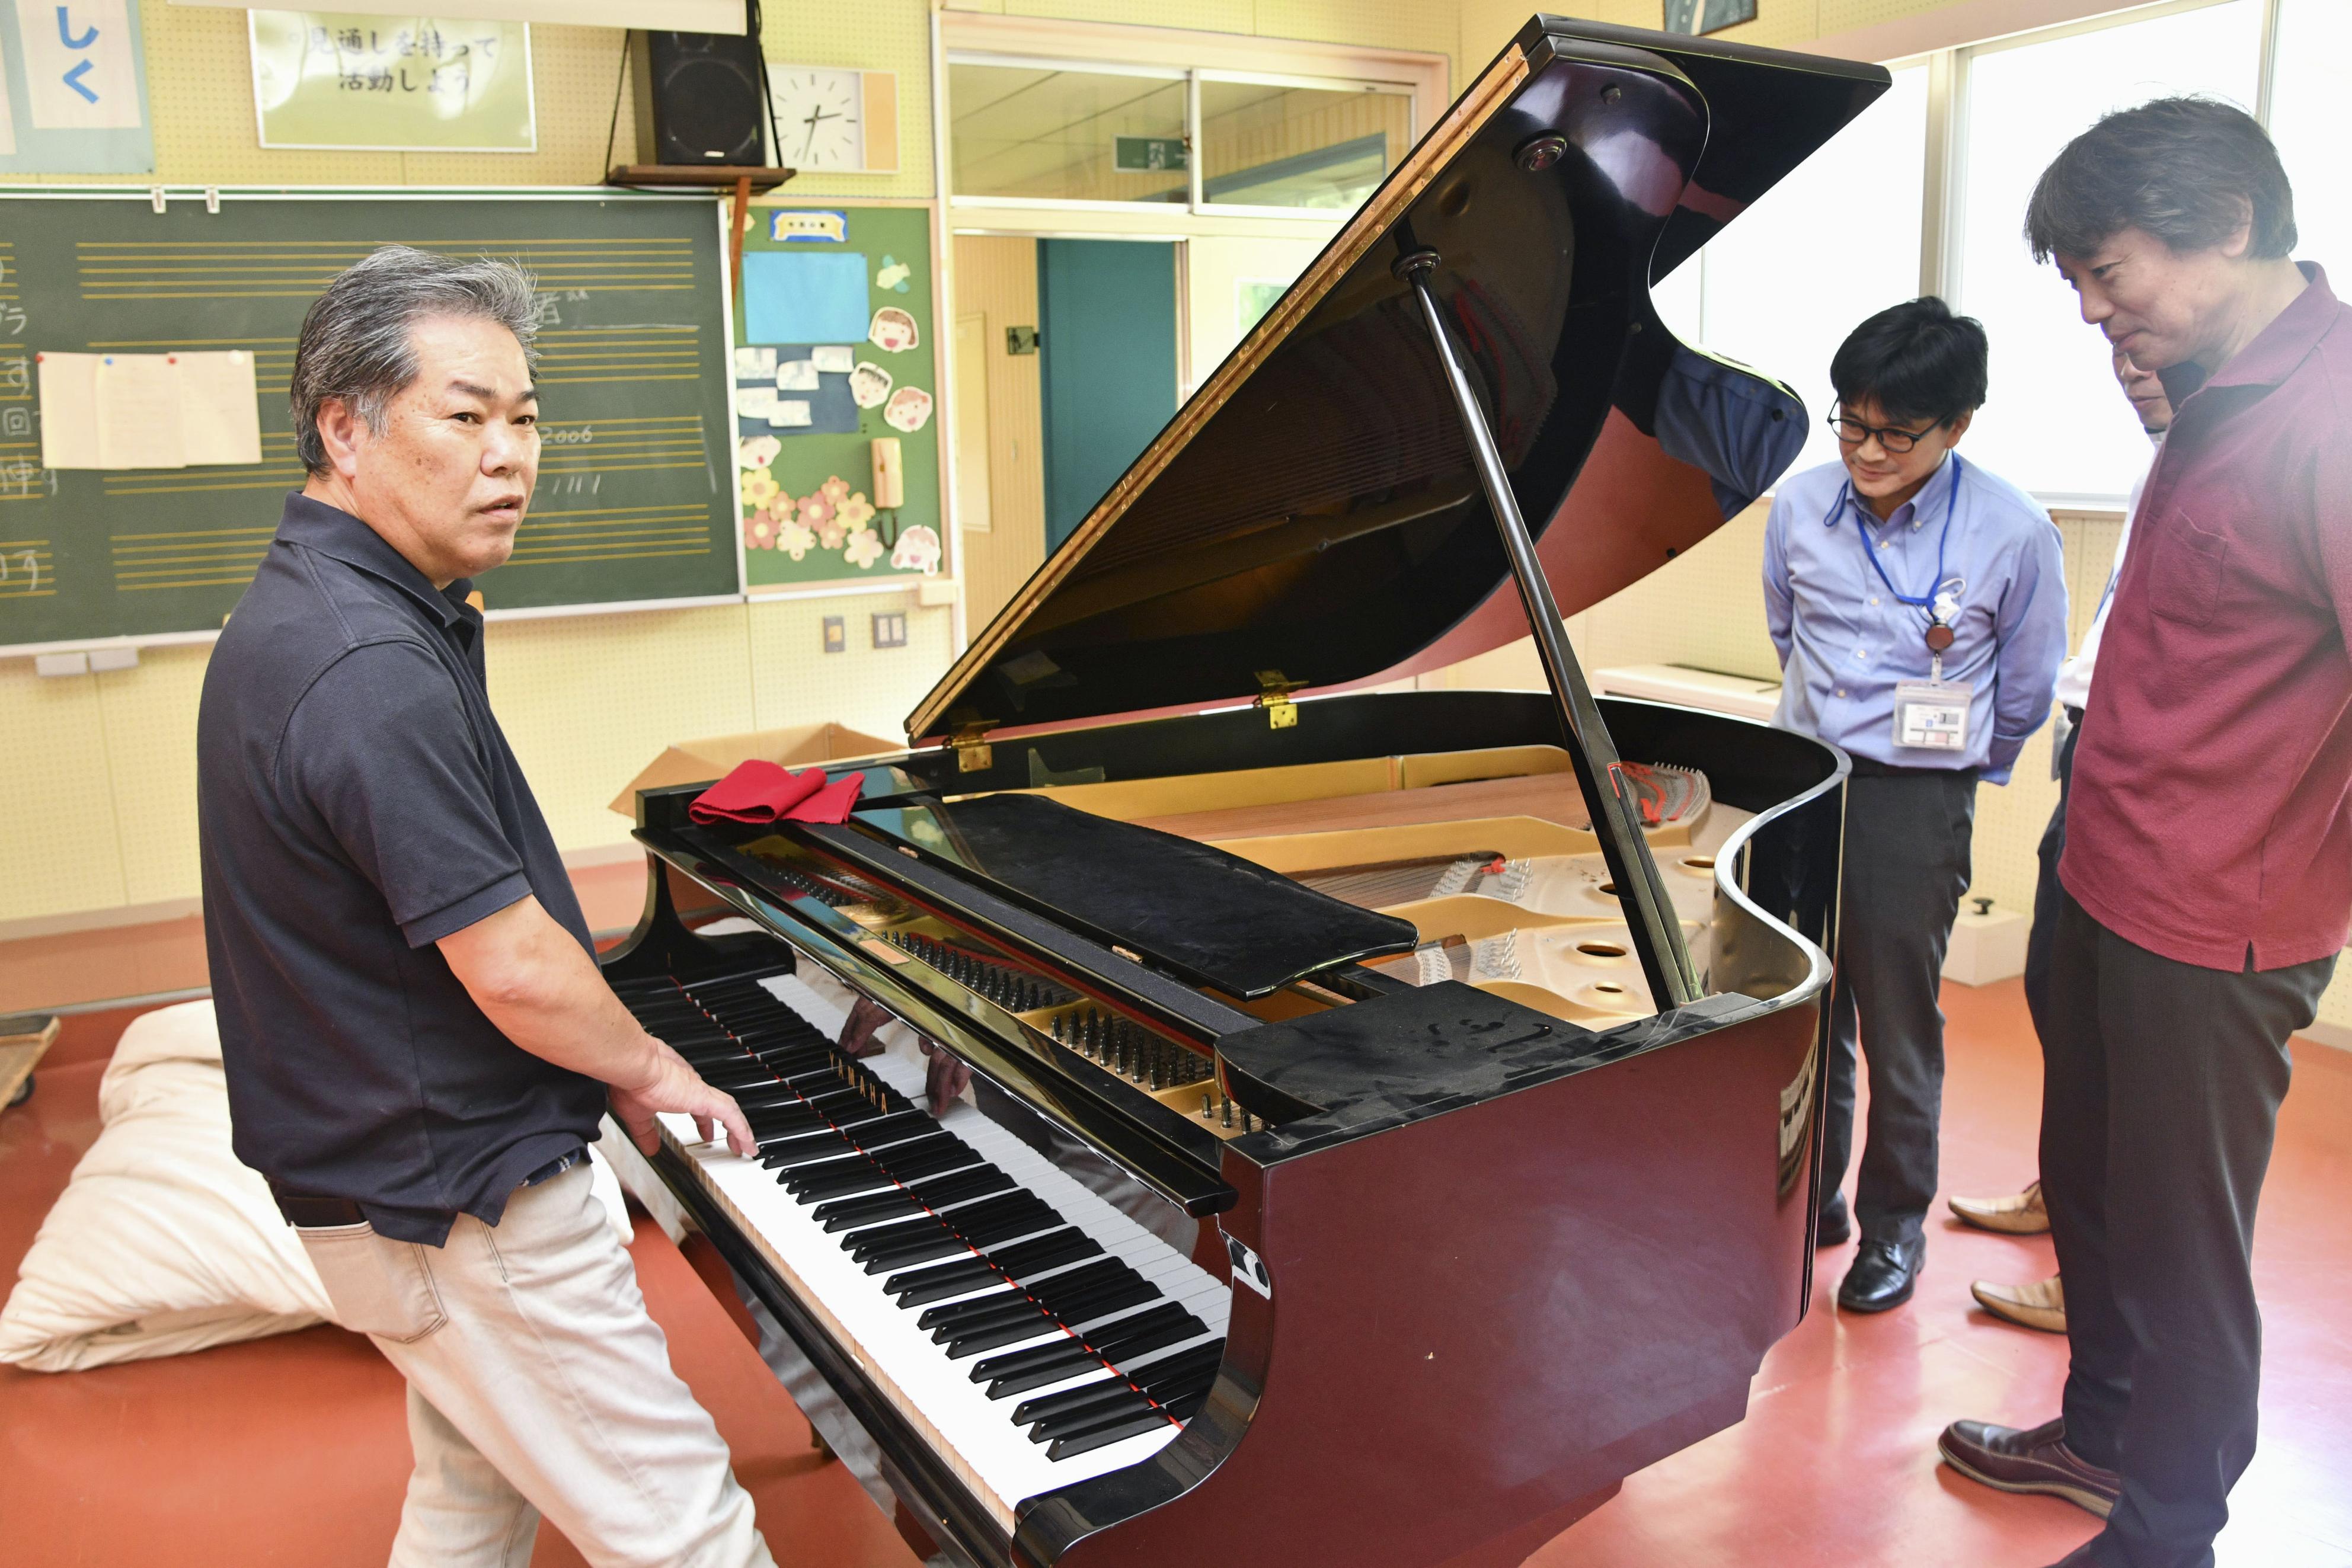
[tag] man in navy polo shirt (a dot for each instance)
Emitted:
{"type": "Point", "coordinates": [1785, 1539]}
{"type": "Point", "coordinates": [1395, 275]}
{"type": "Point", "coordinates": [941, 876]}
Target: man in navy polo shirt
{"type": "Point", "coordinates": [418, 1045]}
{"type": "Point", "coordinates": [2205, 883]}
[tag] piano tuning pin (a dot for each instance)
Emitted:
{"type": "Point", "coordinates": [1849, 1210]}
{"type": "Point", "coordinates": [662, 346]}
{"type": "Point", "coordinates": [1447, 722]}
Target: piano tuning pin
{"type": "Point", "coordinates": [1204, 1104]}
{"type": "Point", "coordinates": [1227, 1113]}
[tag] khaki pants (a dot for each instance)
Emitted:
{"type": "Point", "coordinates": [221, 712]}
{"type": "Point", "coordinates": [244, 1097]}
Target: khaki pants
{"type": "Point", "coordinates": [537, 1384]}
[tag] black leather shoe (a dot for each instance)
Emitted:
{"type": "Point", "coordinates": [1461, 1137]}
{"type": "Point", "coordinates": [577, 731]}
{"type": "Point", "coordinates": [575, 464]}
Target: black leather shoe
{"type": "Point", "coordinates": [1832, 1227]}
{"type": "Point", "coordinates": [1883, 1275]}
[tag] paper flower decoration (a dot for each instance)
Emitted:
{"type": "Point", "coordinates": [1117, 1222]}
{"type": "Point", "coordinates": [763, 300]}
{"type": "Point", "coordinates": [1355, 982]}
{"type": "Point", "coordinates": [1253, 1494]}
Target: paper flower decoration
{"type": "Point", "coordinates": [759, 487]}
{"type": "Point", "coordinates": [794, 540]}
{"type": "Point", "coordinates": [759, 531]}
{"type": "Point", "coordinates": [856, 512]}
{"type": "Point", "coordinates": [830, 533]}
{"type": "Point", "coordinates": [814, 511]}
{"type": "Point", "coordinates": [865, 549]}
{"type": "Point", "coordinates": [835, 490]}
{"type": "Point", "coordinates": [757, 451]}
{"type": "Point", "coordinates": [918, 549]}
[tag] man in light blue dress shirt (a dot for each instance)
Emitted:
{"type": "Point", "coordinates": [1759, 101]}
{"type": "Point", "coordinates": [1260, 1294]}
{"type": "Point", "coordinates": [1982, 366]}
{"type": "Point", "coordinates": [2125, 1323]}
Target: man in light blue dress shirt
{"type": "Point", "coordinates": [1918, 604]}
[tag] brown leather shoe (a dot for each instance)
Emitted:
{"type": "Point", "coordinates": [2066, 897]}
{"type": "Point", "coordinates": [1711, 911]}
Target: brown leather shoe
{"type": "Point", "coordinates": [2021, 1215]}
{"type": "Point", "coordinates": [2035, 1459]}
{"type": "Point", "coordinates": [2038, 1305]}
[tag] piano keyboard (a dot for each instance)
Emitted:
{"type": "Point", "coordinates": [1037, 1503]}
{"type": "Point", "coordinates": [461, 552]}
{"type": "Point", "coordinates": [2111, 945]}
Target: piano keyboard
{"type": "Point", "coordinates": [1036, 1336]}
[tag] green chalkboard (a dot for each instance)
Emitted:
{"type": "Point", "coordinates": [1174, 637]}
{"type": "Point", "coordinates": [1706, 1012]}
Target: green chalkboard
{"type": "Point", "coordinates": [635, 499]}
{"type": "Point", "coordinates": [856, 282]}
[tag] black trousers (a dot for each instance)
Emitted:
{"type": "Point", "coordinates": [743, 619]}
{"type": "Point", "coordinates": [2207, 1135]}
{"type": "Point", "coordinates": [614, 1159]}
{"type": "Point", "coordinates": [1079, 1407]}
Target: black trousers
{"type": "Point", "coordinates": [2044, 929]}
{"type": "Point", "coordinates": [1907, 864]}
{"type": "Point", "coordinates": [2160, 1093]}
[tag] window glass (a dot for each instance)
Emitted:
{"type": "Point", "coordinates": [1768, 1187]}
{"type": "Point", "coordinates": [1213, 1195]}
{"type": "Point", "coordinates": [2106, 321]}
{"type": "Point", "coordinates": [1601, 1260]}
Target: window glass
{"type": "Point", "coordinates": [2055, 423]}
{"type": "Point", "coordinates": [1275, 146]}
{"type": "Point", "coordinates": [1835, 242]}
{"type": "Point", "coordinates": [2307, 121]}
{"type": "Point", "coordinates": [1028, 131]}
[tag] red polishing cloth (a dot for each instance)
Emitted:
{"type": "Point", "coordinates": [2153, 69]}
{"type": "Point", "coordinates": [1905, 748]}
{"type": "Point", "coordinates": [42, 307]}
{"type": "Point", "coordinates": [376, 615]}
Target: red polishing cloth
{"type": "Point", "coordinates": [759, 791]}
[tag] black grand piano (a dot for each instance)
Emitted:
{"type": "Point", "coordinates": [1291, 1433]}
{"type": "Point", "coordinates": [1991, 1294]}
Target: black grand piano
{"type": "Point", "coordinates": [1470, 1038]}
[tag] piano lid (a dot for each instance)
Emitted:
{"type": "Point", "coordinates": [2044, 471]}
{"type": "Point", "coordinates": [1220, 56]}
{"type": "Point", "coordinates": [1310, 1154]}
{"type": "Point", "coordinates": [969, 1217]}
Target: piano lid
{"type": "Point", "coordinates": [1311, 516]}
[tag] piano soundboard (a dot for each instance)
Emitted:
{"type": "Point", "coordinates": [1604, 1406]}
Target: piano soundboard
{"type": "Point", "coordinates": [1038, 1335]}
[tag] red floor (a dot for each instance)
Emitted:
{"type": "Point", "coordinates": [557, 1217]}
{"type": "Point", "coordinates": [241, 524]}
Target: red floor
{"type": "Point", "coordinates": [1835, 1466]}
{"type": "Point", "coordinates": [291, 1451]}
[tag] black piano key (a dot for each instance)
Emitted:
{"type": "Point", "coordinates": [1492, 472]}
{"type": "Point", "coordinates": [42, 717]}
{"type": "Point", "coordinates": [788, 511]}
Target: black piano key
{"type": "Point", "coordinates": [1115, 1431]}
{"type": "Point", "coordinates": [962, 1186]}
{"type": "Point", "coordinates": [1045, 1293]}
{"type": "Point", "coordinates": [1041, 1364]}
{"type": "Point", "coordinates": [854, 1176]}
{"type": "Point", "coordinates": [1141, 1334]}
{"type": "Point", "coordinates": [1028, 1328]}
{"type": "Point", "coordinates": [1073, 1291]}
{"type": "Point", "coordinates": [1185, 1377]}
{"type": "Point", "coordinates": [931, 1154]}
{"type": "Point", "coordinates": [1111, 1405]}
{"type": "Point", "coordinates": [1178, 1372]}
{"type": "Point", "coordinates": [1013, 1206]}
{"type": "Point", "coordinates": [1052, 1250]}
{"type": "Point", "coordinates": [1069, 1399]}
{"type": "Point", "coordinates": [788, 1161]}
{"type": "Point", "coordinates": [946, 1243]}
{"type": "Point", "coordinates": [981, 1235]}
{"type": "Point", "coordinates": [1020, 1362]}
{"type": "Point", "coordinates": [1184, 1407]}
{"type": "Point", "coordinates": [852, 1213]}
{"type": "Point", "coordinates": [1103, 1300]}
{"type": "Point", "coordinates": [904, 1150]}
{"type": "Point", "coordinates": [864, 1244]}
{"type": "Point", "coordinates": [776, 1096]}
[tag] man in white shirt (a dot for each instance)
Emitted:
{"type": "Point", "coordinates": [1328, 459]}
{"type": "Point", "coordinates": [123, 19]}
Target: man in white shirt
{"type": "Point", "coordinates": [2042, 1303]}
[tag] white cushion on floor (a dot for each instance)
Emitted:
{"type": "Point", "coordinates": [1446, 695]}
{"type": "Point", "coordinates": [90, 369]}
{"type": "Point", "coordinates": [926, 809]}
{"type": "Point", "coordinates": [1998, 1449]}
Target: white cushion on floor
{"type": "Point", "coordinates": [163, 1241]}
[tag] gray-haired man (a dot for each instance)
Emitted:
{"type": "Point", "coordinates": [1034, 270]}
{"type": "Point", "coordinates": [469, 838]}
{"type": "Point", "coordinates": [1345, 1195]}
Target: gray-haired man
{"type": "Point", "coordinates": [418, 1045]}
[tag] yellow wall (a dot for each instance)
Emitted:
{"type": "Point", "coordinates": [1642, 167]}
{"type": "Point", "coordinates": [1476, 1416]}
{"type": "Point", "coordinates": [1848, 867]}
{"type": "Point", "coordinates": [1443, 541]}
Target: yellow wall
{"type": "Point", "coordinates": [99, 773]}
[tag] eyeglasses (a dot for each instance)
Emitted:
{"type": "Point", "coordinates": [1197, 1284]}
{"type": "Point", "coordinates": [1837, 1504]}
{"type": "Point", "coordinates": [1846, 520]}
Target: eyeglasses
{"type": "Point", "coordinates": [1853, 433]}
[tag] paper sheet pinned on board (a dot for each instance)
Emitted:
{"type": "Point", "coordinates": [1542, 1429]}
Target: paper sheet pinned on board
{"type": "Point", "coordinates": [148, 411]}
{"type": "Point", "coordinates": [832, 358]}
{"type": "Point", "coordinates": [792, 413]}
{"type": "Point", "coordinates": [796, 375]}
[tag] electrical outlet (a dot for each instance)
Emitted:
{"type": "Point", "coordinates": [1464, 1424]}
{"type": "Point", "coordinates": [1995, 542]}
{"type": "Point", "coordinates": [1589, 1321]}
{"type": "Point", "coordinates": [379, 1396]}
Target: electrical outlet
{"type": "Point", "coordinates": [890, 629]}
{"type": "Point", "coordinates": [837, 634]}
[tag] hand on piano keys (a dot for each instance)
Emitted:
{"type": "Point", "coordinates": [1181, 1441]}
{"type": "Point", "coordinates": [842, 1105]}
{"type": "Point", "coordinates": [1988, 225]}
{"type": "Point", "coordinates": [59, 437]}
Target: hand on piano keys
{"type": "Point", "coordinates": [670, 1084]}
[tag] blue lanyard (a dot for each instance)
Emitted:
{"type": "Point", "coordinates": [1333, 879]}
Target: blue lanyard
{"type": "Point", "coordinates": [1951, 504]}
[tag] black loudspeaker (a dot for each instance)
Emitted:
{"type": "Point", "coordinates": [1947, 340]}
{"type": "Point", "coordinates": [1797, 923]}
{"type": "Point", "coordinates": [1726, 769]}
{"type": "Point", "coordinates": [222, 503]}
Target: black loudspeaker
{"type": "Point", "coordinates": [699, 98]}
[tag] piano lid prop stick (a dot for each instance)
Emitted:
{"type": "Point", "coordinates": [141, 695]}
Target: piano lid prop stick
{"type": "Point", "coordinates": [1657, 931]}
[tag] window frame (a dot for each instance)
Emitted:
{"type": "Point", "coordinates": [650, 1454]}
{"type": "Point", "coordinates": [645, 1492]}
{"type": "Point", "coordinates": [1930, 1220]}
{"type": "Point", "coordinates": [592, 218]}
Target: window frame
{"type": "Point", "coordinates": [1942, 230]}
{"type": "Point", "coordinates": [964, 38]}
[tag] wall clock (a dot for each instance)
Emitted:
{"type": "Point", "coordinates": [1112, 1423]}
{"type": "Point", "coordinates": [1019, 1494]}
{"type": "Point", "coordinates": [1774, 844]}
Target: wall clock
{"type": "Point", "coordinates": [831, 119]}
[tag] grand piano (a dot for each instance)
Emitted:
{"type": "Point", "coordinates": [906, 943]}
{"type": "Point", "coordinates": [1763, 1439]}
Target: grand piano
{"type": "Point", "coordinates": [1471, 1038]}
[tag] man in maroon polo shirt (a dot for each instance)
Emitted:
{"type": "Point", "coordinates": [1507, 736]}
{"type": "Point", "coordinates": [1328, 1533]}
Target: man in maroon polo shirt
{"type": "Point", "coordinates": [2207, 869]}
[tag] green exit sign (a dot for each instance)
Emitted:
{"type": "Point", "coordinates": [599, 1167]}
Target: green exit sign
{"type": "Point", "coordinates": [1148, 154]}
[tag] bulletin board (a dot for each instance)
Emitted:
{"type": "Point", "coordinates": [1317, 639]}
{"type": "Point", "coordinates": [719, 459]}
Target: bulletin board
{"type": "Point", "coordinates": [836, 348]}
{"type": "Point", "coordinates": [633, 502]}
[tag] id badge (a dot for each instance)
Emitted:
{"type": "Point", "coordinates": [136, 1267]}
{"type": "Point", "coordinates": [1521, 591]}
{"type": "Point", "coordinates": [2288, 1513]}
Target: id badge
{"type": "Point", "coordinates": [1932, 716]}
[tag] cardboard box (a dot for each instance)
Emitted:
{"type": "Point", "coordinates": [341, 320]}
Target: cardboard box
{"type": "Point", "coordinates": [711, 759]}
